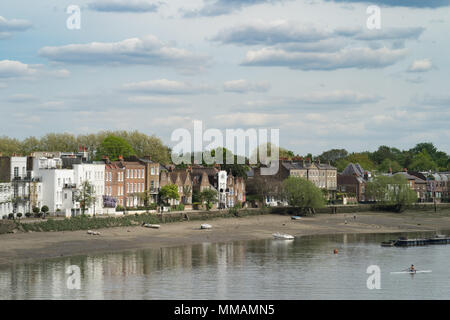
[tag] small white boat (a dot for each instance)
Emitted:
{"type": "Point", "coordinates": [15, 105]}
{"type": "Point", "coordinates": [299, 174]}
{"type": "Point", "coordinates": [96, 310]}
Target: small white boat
{"type": "Point", "coordinates": [296, 218]}
{"type": "Point", "coordinates": [205, 226]}
{"type": "Point", "coordinates": [95, 233]}
{"type": "Point", "coordinates": [153, 226]}
{"type": "Point", "coordinates": [282, 236]}
{"type": "Point", "coordinates": [412, 272]}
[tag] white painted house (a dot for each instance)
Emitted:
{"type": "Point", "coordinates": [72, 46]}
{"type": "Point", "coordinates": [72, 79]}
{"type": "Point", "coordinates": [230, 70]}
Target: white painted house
{"type": "Point", "coordinates": [94, 173]}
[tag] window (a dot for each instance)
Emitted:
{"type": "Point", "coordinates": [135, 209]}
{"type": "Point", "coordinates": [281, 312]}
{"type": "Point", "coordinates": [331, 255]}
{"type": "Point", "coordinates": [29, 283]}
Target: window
{"type": "Point", "coordinates": [152, 171]}
{"type": "Point", "coordinates": [16, 171]}
{"type": "Point", "coordinates": [128, 173]}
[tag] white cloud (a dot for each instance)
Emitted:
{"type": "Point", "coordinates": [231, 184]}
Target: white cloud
{"type": "Point", "coordinates": [147, 50]}
{"type": "Point", "coordinates": [421, 66]}
{"type": "Point", "coordinates": [251, 119]}
{"type": "Point", "coordinates": [360, 58]}
{"type": "Point", "coordinates": [136, 6]}
{"type": "Point", "coordinates": [338, 97]}
{"type": "Point", "coordinates": [154, 100]}
{"type": "Point", "coordinates": [15, 69]}
{"type": "Point", "coordinates": [13, 25]}
{"type": "Point", "coordinates": [244, 86]}
{"type": "Point", "coordinates": [22, 98]}
{"type": "Point", "coordinates": [165, 86]}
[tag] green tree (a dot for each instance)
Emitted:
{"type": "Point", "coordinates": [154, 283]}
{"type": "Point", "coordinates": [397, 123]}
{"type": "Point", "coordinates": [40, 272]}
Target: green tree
{"type": "Point", "coordinates": [361, 158]}
{"type": "Point", "coordinates": [393, 192]}
{"type": "Point", "coordinates": [9, 146]}
{"type": "Point", "coordinates": [303, 194]}
{"type": "Point", "coordinates": [388, 164]}
{"type": "Point", "coordinates": [423, 162]}
{"type": "Point", "coordinates": [209, 196]}
{"type": "Point", "coordinates": [113, 147]}
{"type": "Point", "coordinates": [333, 155]}
{"type": "Point", "coordinates": [169, 192]}
{"type": "Point", "coordinates": [85, 195]}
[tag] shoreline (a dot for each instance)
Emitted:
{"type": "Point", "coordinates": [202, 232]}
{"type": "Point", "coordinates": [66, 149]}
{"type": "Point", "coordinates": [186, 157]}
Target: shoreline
{"type": "Point", "coordinates": [31, 246]}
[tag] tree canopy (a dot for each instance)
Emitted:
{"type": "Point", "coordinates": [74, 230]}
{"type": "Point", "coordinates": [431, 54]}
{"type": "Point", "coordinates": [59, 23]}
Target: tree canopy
{"type": "Point", "coordinates": [302, 193]}
{"type": "Point", "coordinates": [113, 147]}
{"type": "Point", "coordinates": [169, 192]}
{"type": "Point", "coordinates": [391, 191]}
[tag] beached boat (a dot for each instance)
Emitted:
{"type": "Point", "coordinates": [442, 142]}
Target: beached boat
{"type": "Point", "coordinates": [95, 233]}
{"type": "Point", "coordinates": [282, 236]}
{"type": "Point", "coordinates": [296, 218]}
{"type": "Point", "coordinates": [153, 226]}
{"type": "Point", "coordinates": [205, 226]}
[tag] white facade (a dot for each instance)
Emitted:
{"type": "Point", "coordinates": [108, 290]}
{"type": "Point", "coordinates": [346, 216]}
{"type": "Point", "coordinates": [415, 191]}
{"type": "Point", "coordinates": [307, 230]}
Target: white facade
{"type": "Point", "coordinates": [20, 186]}
{"type": "Point", "coordinates": [6, 206]}
{"type": "Point", "coordinates": [94, 173]}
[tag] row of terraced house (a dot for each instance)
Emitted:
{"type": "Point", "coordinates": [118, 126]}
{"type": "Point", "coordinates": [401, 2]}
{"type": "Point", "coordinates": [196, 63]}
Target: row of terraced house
{"type": "Point", "coordinates": [53, 179]}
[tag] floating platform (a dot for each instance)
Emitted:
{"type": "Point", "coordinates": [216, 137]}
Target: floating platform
{"type": "Point", "coordinates": [404, 242]}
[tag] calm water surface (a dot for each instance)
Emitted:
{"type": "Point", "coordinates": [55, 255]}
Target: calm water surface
{"type": "Point", "coordinates": [305, 268]}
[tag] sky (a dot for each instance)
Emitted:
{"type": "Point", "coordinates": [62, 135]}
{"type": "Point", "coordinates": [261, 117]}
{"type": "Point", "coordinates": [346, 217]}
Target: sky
{"type": "Point", "coordinates": [310, 68]}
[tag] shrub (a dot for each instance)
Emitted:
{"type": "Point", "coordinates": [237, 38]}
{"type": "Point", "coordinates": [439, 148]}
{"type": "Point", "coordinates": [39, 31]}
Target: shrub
{"type": "Point", "coordinates": [36, 210]}
{"type": "Point", "coordinates": [19, 215]}
{"type": "Point", "coordinates": [11, 216]}
{"type": "Point", "coordinates": [45, 209]}
{"type": "Point", "coordinates": [5, 217]}
{"type": "Point", "coordinates": [120, 208]}
{"type": "Point", "coordinates": [179, 207]}
{"type": "Point", "coordinates": [28, 214]}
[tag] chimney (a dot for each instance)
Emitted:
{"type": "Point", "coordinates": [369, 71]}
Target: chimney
{"type": "Point", "coordinates": [120, 158]}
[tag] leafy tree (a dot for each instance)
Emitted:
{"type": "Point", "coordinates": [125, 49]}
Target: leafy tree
{"type": "Point", "coordinates": [209, 196]}
{"type": "Point", "coordinates": [303, 194]}
{"type": "Point", "coordinates": [361, 158]}
{"type": "Point", "coordinates": [333, 155]}
{"type": "Point", "coordinates": [58, 142]}
{"type": "Point", "coordinates": [169, 192]}
{"type": "Point", "coordinates": [85, 195]}
{"type": "Point", "coordinates": [423, 162]}
{"type": "Point", "coordinates": [388, 164]}
{"type": "Point", "coordinates": [394, 192]}
{"type": "Point", "coordinates": [113, 147]}
{"type": "Point", "coordinates": [9, 146]}
{"type": "Point", "coordinates": [36, 210]}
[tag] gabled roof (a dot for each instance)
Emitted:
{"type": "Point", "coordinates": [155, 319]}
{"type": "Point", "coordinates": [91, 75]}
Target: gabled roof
{"type": "Point", "coordinates": [353, 169]}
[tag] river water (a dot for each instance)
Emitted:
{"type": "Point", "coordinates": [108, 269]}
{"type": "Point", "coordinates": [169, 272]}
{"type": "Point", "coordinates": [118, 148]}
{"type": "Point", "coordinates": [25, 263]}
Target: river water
{"type": "Point", "coordinates": [305, 268]}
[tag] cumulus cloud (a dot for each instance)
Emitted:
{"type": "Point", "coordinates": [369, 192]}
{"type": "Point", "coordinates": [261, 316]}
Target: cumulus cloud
{"type": "Point", "coordinates": [150, 100]}
{"type": "Point", "coordinates": [165, 86]}
{"type": "Point", "coordinates": [15, 69]}
{"type": "Point", "coordinates": [13, 25]}
{"type": "Point", "coordinates": [421, 66]}
{"type": "Point", "coordinates": [22, 98]}
{"type": "Point", "coordinates": [213, 8]}
{"type": "Point", "coordinates": [338, 97]}
{"type": "Point", "coordinates": [251, 119]}
{"type": "Point", "coordinates": [147, 50]}
{"type": "Point", "coordinates": [401, 3]}
{"type": "Point", "coordinates": [270, 33]}
{"type": "Point", "coordinates": [244, 86]}
{"type": "Point", "coordinates": [360, 58]}
{"type": "Point", "coordinates": [136, 6]}
{"type": "Point", "coordinates": [284, 32]}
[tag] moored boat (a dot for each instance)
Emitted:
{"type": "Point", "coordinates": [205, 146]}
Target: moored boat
{"type": "Point", "coordinates": [296, 218]}
{"type": "Point", "coordinates": [282, 236]}
{"type": "Point", "coordinates": [389, 243]}
{"type": "Point", "coordinates": [205, 226]}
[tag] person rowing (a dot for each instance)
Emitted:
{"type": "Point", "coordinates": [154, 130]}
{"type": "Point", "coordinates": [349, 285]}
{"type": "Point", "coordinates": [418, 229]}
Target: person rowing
{"type": "Point", "coordinates": [412, 269]}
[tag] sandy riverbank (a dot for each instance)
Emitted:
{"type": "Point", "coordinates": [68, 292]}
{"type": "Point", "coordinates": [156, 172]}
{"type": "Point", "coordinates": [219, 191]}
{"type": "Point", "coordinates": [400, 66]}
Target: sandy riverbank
{"type": "Point", "coordinates": [28, 246]}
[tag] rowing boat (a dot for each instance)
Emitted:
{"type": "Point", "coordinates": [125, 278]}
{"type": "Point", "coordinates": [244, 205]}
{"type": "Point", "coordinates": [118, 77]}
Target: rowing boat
{"type": "Point", "coordinates": [205, 226]}
{"type": "Point", "coordinates": [412, 272]}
